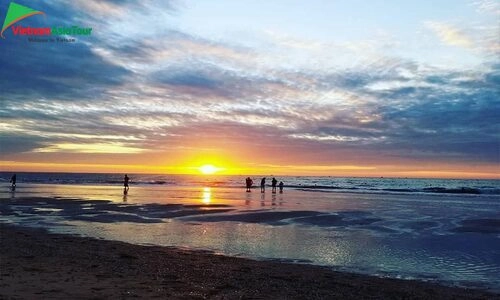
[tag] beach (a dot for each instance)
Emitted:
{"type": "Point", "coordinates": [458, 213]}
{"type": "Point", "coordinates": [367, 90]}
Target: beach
{"type": "Point", "coordinates": [36, 264]}
{"type": "Point", "coordinates": [384, 231]}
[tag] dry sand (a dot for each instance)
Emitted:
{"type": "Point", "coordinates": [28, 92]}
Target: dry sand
{"type": "Point", "coordinates": [36, 265]}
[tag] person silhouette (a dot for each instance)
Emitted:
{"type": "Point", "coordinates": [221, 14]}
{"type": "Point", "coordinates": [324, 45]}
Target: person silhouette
{"type": "Point", "coordinates": [281, 187]}
{"type": "Point", "coordinates": [125, 184]}
{"type": "Point", "coordinates": [273, 184]}
{"type": "Point", "coordinates": [13, 182]}
{"type": "Point", "coordinates": [249, 183]}
{"type": "Point", "coordinates": [263, 184]}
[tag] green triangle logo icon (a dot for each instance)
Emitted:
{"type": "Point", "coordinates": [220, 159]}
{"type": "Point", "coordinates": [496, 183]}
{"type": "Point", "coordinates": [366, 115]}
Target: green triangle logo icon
{"type": "Point", "coordinates": [16, 13]}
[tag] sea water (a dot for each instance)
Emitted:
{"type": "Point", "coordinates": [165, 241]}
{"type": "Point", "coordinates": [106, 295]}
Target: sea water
{"type": "Point", "coordinates": [326, 183]}
{"type": "Point", "coordinates": [438, 230]}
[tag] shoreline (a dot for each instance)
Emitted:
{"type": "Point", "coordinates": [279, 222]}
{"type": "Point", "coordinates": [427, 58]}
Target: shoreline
{"type": "Point", "coordinates": [35, 263]}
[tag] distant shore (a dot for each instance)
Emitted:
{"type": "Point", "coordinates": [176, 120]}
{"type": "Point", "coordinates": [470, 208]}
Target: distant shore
{"type": "Point", "coordinates": [36, 264]}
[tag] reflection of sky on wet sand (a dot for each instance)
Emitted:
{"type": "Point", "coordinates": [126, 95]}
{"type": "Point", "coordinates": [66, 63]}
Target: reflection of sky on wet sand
{"type": "Point", "coordinates": [441, 237]}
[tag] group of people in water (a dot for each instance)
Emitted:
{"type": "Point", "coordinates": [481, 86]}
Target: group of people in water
{"type": "Point", "coordinates": [274, 185]}
{"type": "Point", "coordinates": [249, 184]}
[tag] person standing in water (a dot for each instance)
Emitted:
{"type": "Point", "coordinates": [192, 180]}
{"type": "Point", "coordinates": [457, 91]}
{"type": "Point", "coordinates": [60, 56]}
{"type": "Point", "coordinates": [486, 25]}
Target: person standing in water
{"type": "Point", "coordinates": [13, 182]}
{"type": "Point", "coordinates": [125, 184]}
{"type": "Point", "coordinates": [263, 184]}
{"type": "Point", "coordinates": [281, 187]}
{"type": "Point", "coordinates": [249, 183]}
{"type": "Point", "coordinates": [273, 184]}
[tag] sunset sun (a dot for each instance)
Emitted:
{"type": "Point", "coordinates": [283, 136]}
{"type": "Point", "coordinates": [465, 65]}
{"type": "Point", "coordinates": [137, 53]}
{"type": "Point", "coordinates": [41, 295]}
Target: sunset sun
{"type": "Point", "coordinates": [208, 169]}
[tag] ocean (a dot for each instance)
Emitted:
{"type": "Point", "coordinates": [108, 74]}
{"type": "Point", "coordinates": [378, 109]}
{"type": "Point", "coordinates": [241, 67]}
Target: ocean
{"type": "Point", "coordinates": [439, 230]}
{"type": "Point", "coordinates": [321, 183]}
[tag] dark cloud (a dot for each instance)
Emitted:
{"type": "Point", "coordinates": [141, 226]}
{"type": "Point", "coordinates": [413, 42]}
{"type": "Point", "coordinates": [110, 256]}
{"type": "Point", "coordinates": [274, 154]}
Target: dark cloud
{"type": "Point", "coordinates": [452, 120]}
{"type": "Point", "coordinates": [14, 143]}
{"type": "Point", "coordinates": [54, 70]}
{"type": "Point", "coordinates": [189, 77]}
{"type": "Point", "coordinates": [205, 79]}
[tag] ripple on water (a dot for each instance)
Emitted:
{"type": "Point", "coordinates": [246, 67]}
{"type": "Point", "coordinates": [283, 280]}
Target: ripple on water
{"type": "Point", "coordinates": [454, 265]}
{"type": "Point", "coordinates": [479, 225]}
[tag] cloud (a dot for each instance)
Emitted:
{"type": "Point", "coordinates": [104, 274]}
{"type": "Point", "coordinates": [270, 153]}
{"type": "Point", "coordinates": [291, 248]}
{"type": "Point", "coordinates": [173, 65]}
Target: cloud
{"type": "Point", "coordinates": [487, 6]}
{"type": "Point", "coordinates": [454, 119]}
{"type": "Point", "coordinates": [196, 75]}
{"type": "Point", "coordinates": [480, 38]}
{"type": "Point", "coordinates": [13, 143]}
{"type": "Point", "coordinates": [183, 94]}
{"type": "Point", "coordinates": [110, 147]}
{"type": "Point", "coordinates": [449, 35]}
{"type": "Point", "coordinates": [106, 8]}
{"type": "Point", "coordinates": [391, 110]}
{"type": "Point", "coordinates": [54, 70]}
{"type": "Point", "coordinates": [122, 8]}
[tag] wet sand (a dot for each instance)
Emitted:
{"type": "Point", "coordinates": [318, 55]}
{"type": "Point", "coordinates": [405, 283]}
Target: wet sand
{"type": "Point", "coordinates": [35, 264]}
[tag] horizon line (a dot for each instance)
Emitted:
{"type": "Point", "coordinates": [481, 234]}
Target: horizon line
{"type": "Point", "coordinates": [256, 175]}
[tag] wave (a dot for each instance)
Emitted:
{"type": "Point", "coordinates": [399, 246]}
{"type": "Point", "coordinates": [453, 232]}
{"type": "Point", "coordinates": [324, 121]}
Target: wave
{"type": "Point", "coordinates": [325, 187]}
{"type": "Point", "coordinates": [430, 190]}
{"type": "Point", "coordinates": [462, 190]}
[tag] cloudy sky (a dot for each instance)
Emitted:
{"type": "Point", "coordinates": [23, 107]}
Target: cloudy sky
{"type": "Point", "coordinates": [340, 87]}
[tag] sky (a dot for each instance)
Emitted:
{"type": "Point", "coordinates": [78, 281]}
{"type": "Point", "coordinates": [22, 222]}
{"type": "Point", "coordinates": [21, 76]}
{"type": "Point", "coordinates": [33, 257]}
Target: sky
{"type": "Point", "coordinates": [337, 88]}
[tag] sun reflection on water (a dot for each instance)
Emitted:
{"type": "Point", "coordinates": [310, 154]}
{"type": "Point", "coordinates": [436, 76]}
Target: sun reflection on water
{"type": "Point", "coordinates": [206, 196]}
